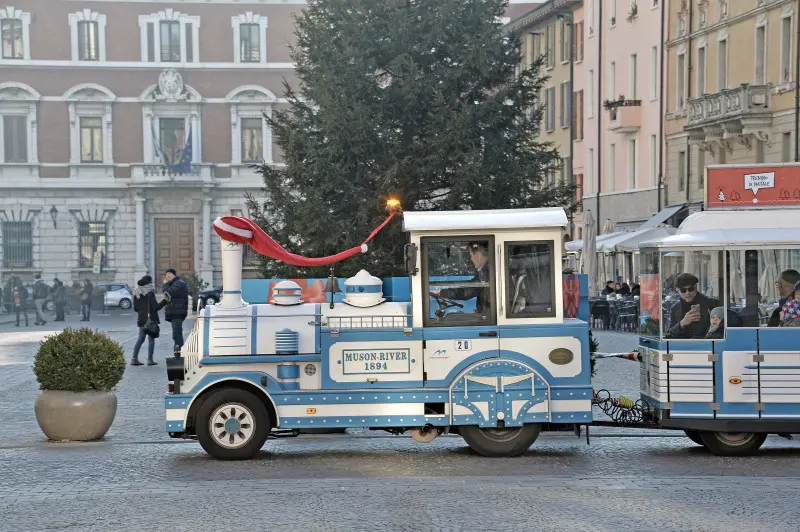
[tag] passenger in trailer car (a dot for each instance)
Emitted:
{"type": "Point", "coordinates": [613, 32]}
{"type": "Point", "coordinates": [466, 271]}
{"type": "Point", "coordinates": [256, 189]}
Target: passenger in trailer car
{"type": "Point", "coordinates": [692, 316]}
{"type": "Point", "coordinates": [479, 255]}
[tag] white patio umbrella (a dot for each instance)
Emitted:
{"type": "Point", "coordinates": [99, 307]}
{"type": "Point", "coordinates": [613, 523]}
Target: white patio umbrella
{"type": "Point", "coordinates": [736, 276]}
{"type": "Point", "coordinates": [766, 284]}
{"type": "Point", "coordinates": [589, 254]}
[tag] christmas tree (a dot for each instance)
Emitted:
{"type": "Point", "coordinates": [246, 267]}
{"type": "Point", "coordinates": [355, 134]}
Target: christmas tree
{"type": "Point", "coordinates": [419, 101]}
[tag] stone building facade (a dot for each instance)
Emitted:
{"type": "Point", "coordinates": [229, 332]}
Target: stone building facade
{"type": "Point", "coordinates": [127, 127]}
{"type": "Point", "coordinates": [730, 93]}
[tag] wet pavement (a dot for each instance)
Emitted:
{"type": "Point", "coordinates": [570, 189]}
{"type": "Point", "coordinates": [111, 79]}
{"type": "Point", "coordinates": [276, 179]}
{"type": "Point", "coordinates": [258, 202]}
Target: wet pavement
{"type": "Point", "coordinates": [139, 479]}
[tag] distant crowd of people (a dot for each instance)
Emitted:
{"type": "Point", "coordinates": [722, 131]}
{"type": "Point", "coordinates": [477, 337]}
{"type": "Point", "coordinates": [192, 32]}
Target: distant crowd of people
{"type": "Point", "coordinates": [620, 289]}
{"type": "Point", "coordinates": [40, 293]}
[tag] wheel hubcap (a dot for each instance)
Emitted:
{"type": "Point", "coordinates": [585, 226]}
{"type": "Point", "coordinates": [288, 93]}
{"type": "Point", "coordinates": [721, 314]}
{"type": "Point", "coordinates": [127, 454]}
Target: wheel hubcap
{"type": "Point", "coordinates": [232, 425]}
{"type": "Point", "coordinates": [734, 438]}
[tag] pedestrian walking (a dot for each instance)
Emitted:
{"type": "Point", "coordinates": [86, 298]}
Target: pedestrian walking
{"type": "Point", "coordinates": [40, 292]}
{"type": "Point", "coordinates": [176, 293]}
{"type": "Point", "coordinates": [20, 298]}
{"type": "Point", "coordinates": [146, 307]}
{"type": "Point", "coordinates": [86, 300]}
{"type": "Point", "coordinates": [59, 298]}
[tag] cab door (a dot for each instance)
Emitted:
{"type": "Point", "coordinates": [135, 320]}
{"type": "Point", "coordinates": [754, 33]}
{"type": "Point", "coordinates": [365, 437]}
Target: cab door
{"type": "Point", "coordinates": [459, 304]}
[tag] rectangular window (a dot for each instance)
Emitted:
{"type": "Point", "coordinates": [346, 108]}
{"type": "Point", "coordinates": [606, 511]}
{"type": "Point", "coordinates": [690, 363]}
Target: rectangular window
{"type": "Point", "coordinates": [11, 30]}
{"type": "Point", "coordinates": [577, 116]}
{"type": "Point", "coordinates": [15, 139]}
{"type": "Point", "coordinates": [786, 147]}
{"type": "Point", "coordinates": [653, 72]}
{"type": "Point", "coordinates": [91, 239]}
{"type": "Point", "coordinates": [566, 40]}
{"type": "Point", "coordinates": [189, 42]}
{"type": "Point", "coordinates": [701, 71]}
{"type": "Point", "coordinates": [461, 269]}
{"type": "Point", "coordinates": [761, 55]}
{"type": "Point", "coordinates": [17, 245]}
{"type": "Point", "coordinates": [653, 159]}
{"type": "Point", "coordinates": [550, 109]}
{"type": "Point", "coordinates": [786, 50]}
{"type": "Point", "coordinates": [682, 170]}
{"type": "Point", "coordinates": [88, 44]}
{"type": "Point", "coordinates": [590, 170]}
{"type": "Point", "coordinates": [172, 135]}
{"type": "Point", "coordinates": [151, 42]}
{"type": "Point", "coordinates": [590, 16]}
{"type": "Point", "coordinates": [530, 288]}
{"type": "Point", "coordinates": [633, 74]}
{"type": "Point", "coordinates": [633, 164]}
{"type": "Point", "coordinates": [566, 104]}
{"type": "Point", "coordinates": [577, 41]}
{"type": "Point", "coordinates": [252, 140]}
{"type": "Point", "coordinates": [613, 12]}
{"type": "Point", "coordinates": [551, 45]}
{"type": "Point", "coordinates": [680, 83]}
{"type": "Point", "coordinates": [701, 169]}
{"type": "Point", "coordinates": [590, 103]}
{"type": "Point", "coordinates": [612, 81]}
{"type": "Point", "coordinates": [170, 41]}
{"type": "Point", "coordinates": [722, 66]}
{"type": "Point", "coordinates": [91, 140]}
{"type": "Point", "coordinates": [612, 167]}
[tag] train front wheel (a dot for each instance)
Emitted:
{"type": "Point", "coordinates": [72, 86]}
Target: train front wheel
{"type": "Point", "coordinates": [511, 441]}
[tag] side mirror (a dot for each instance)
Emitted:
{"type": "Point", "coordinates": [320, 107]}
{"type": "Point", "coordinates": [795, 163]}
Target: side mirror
{"type": "Point", "coordinates": [410, 255]}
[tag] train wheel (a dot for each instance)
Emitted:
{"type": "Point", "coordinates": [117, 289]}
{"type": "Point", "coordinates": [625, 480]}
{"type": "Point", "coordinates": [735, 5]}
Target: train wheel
{"type": "Point", "coordinates": [733, 443]}
{"type": "Point", "coordinates": [232, 424]}
{"type": "Point", "coordinates": [694, 435]}
{"type": "Point", "coordinates": [511, 441]}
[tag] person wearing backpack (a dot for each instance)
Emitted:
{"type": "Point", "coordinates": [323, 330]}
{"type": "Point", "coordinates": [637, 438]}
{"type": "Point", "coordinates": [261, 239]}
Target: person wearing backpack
{"type": "Point", "coordinates": [146, 307]}
{"type": "Point", "coordinates": [20, 299]}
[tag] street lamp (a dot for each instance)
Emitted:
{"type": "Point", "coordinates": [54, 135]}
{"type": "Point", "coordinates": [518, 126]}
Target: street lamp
{"type": "Point", "coordinates": [54, 215]}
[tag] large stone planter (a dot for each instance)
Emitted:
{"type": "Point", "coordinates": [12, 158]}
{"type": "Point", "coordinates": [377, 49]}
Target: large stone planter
{"type": "Point", "coordinates": [75, 416]}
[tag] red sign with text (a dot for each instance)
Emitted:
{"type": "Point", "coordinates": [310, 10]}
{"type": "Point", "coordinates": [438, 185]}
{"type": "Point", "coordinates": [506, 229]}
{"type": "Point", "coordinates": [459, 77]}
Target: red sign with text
{"type": "Point", "coordinates": [760, 185]}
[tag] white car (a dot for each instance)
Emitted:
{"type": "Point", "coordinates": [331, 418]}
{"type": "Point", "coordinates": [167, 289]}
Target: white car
{"type": "Point", "coordinates": [117, 295]}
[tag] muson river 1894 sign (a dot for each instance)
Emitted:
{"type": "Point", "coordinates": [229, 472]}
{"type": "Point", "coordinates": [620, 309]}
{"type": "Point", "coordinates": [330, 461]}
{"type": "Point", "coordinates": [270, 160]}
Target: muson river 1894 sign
{"type": "Point", "coordinates": [383, 361]}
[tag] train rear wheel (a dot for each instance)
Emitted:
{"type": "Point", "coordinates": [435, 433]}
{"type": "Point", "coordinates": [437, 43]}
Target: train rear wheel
{"type": "Point", "coordinates": [733, 443]}
{"type": "Point", "coordinates": [511, 441]}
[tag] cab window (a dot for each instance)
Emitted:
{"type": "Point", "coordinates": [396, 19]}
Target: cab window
{"type": "Point", "coordinates": [692, 288]}
{"type": "Point", "coordinates": [530, 290]}
{"type": "Point", "coordinates": [760, 282]}
{"type": "Point", "coordinates": [459, 279]}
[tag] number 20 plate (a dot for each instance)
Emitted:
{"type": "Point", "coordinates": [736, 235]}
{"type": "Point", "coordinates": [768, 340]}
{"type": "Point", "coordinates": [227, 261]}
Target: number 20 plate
{"type": "Point", "coordinates": [463, 345]}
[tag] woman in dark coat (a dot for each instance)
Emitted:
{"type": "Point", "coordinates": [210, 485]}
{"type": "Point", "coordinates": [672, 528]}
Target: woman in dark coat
{"type": "Point", "coordinates": [146, 307]}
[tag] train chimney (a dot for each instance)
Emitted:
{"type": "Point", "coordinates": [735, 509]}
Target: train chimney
{"type": "Point", "coordinates": [231, 274]}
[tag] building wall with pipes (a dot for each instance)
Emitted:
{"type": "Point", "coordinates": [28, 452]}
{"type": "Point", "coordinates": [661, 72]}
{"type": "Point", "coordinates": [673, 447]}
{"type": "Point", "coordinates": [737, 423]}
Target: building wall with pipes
{"type": "Point", "coordinates": [622, 69]}
{"type": "Point", "coordinates": [730, 89]}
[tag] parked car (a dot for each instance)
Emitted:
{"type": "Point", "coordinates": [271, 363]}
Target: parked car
{"type": "Point", "coordinates": [213, 296]}
{"type": "Point", "coordinates": [117, 295]}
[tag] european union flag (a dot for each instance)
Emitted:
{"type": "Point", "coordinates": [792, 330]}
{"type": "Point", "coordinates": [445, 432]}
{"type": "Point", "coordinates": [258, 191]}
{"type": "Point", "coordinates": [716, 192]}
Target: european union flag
{"type": "Point", "coordinates": [184, 166]}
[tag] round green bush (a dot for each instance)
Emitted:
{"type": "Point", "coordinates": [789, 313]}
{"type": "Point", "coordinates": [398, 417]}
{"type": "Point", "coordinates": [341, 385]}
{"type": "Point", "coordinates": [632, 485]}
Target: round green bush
{"type": "Point", "coordinates": [80, 360]}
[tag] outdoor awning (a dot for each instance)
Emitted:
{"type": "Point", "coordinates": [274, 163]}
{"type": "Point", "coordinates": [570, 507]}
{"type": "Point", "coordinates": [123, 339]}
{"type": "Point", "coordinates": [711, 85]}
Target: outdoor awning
{"type": "Point", "coordinates": [577, 245]}
{"type": "Point", "coordinates": [662, 216]}
{"type": "Point", "coordinates": [629, 242]}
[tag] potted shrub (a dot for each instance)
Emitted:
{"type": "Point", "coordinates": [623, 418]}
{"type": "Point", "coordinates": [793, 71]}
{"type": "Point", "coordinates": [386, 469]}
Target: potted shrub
{"type": "Point", "coordinates": [77, 371]}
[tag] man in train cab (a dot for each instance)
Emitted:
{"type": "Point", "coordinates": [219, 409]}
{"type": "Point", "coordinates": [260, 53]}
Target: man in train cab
{"type": "Point", "coordinates": [785, 283]}
{"type": "Point", "coordinates": [479, 255]}
{"type": "Point", "coordinates": [691, 317]}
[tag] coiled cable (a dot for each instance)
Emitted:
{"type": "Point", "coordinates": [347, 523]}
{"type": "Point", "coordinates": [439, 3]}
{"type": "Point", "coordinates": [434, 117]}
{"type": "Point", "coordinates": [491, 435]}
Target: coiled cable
{"type": "Point", "coordinates": [621, 409]}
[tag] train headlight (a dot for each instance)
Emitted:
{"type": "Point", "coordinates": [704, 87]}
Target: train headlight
{"type": "Point", "coordinates": [561, 356]}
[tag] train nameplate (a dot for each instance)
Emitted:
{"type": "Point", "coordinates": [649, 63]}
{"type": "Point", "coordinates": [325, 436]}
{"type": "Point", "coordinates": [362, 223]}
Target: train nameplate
{"type": "Point", "coordinates": [376, 361]}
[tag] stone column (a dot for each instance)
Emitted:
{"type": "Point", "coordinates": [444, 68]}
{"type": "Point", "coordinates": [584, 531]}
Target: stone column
{"type": "Point", "coordinates": [206, 268]}
{"type": "Point", "coordinates": [140, 267]}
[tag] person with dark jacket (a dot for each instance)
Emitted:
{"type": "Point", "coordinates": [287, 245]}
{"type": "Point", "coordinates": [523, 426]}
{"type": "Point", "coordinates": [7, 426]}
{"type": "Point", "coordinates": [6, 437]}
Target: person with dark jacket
{"type": "Point", "coordinates": [176, 294]}
{"type": "Point", "coordinates": [59, 298]}
{"type": "Point", "coordinates": [146, 307]}
{"type": "Point", "coordinates": [20, 300]}
{"type": "Point", "coordinates": [86, 300]}
{"type": "Point", "coordinates": [688, 322]}
{"type": "Point", "coordinates": [479, 255]}
{"type": "Point", "coordinates": [40, 293]}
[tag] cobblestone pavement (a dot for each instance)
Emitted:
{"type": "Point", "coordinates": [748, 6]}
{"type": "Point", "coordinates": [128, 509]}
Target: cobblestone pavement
{"type": "Point", "coordinates": [138, 479]}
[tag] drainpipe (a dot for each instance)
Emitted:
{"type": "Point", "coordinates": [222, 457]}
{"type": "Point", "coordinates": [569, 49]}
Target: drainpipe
{"type": "Point", "coordinates": [572, 110]}
{"type": "Point", "coordinates": [599, 106]}
{"type": "Point", "coordinates": [688, 96]}
{"type": "Point", "coordinates": [797, 86]}
{"type": "Point", "coordinates": [661, 111]}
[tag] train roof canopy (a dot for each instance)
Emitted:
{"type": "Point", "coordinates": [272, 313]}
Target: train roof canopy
{"type": "Point", "coordinates": [487, 220]}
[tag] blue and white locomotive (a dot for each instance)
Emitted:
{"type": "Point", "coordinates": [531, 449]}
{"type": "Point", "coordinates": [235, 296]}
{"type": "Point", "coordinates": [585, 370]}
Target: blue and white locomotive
{"type": "Point", "coordinates": [483, 348]}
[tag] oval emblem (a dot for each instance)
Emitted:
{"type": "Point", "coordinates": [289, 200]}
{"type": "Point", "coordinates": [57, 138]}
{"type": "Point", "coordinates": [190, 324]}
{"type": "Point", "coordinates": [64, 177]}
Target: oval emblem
{"type": "Point", "coordinates": [735, 380]}
{"type": "Point", "coordinates": [561, 356]}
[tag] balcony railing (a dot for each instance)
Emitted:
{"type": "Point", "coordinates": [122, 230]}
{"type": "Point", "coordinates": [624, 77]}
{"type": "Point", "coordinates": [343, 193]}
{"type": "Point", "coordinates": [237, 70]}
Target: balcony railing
{"type": "Point", "coordinates": [729, 104]}
{"type": "Point", "coordinates": [161, 172]}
